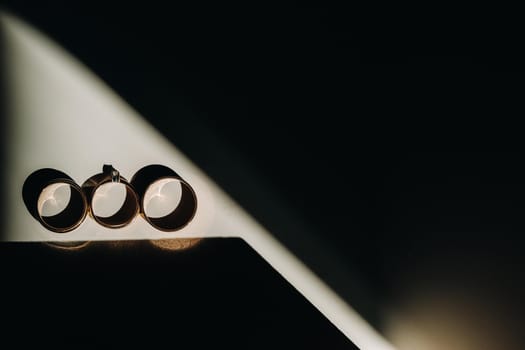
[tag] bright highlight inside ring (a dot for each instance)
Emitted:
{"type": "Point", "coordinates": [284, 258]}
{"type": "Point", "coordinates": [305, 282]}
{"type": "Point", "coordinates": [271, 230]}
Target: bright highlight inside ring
{"type": "Point", "coordinates": [162, 198]}
{"type": "Point", "coordinates": [108, 199]}
{"type": "Point", "coordinates": [54, 199]}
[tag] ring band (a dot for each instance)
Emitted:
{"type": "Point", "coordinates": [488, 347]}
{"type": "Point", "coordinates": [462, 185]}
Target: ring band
{"type": "Point", "coordinates": [80, 202]}
{"type": "Point", "coordinates": [71, 216]}
{"type": "Point", "coordinates": [129, 208]}
{"type": "Point", "coordinates": [183, 213]}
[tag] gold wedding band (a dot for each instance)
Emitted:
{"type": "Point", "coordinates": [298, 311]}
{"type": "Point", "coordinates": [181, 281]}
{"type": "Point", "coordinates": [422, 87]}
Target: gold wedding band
{"type": "Point", "coordinates": [40, 187]}
{"type": "Point", "coordinates": [151, 175]}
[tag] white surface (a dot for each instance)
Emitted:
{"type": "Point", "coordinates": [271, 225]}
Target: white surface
{"type": "Point", "coordinates": [53, 199]}
{"type": "Point", "coordinates": [50, 93]}
{"type": "Point", "coordinates": [61, 116]}
{"type": "Point", "coordinates": [162, 197]}
{"type": "Point", "coordinates": [108, 199]}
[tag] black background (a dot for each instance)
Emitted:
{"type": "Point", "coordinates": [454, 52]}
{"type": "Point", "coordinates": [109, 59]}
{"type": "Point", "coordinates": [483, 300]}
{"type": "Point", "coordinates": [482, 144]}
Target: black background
{"type": "Point", "coordinates": [217, 294]}
{"type": "Point", "coordinates": [372, 141]}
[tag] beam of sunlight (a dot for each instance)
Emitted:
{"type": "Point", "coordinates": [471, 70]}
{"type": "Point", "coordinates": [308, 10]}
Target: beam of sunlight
{"type": "Point", "coordinates": [50, 91]}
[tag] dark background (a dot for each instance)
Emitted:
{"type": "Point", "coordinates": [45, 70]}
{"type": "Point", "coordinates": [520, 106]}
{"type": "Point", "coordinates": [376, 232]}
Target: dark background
{"type": "Point", "coordinates": [121, 294]}
{"type": "Point", "coordinates": [377, 143]}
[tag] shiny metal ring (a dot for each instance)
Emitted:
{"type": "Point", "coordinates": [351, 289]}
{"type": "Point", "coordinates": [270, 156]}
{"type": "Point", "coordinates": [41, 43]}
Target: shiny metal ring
{"type": "Point", "coordinates": [130, 207]}
{"type": "Point", "coordinates": [42, 186]}
{"type": "Point", "coordinates": [151, 179]}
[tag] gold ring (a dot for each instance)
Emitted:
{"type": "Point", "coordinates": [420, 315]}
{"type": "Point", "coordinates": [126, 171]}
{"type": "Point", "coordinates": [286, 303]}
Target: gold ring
{"type": "Point", "coordinates": [151, 179]}
{"type": "Point", "coordinates": [48, 188]}
{"type": "Point", "coordinates": [130, 206]}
